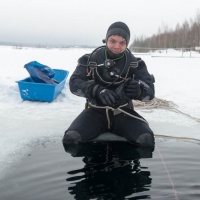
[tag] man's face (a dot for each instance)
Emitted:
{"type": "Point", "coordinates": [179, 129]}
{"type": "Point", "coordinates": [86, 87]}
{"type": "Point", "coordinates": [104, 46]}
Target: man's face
{"type": "Point", "coordinates": [116, 44]}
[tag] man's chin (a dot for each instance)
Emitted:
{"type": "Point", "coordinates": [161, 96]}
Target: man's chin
{"type": "Point", "coordinates": [116, 52]}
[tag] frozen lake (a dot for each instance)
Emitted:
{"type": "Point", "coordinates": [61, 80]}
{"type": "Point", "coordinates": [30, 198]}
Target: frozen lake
{"type": "Point", "coordinates": [23, 123]}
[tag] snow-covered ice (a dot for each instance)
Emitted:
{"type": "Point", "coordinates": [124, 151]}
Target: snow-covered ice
{"type": "Point", "coordinates": [24, 122]}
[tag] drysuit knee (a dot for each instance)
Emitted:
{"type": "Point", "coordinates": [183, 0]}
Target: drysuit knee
{"type": "Point", "coordinates": [71, 137]}
{"type": "Point", "coordinates": [145, 139]}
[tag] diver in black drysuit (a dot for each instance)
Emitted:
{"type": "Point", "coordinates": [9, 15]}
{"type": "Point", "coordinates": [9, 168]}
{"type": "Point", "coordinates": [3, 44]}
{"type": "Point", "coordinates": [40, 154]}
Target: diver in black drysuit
{"type": "Point", "coordinates": [110, 82]}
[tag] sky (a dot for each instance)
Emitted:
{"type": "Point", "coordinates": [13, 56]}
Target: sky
{"type": "Point", "coordinates": [85, 22]}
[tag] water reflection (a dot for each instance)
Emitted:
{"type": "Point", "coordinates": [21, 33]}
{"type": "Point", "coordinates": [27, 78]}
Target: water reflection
{"type": "Point", "coordinates": [111, 171]}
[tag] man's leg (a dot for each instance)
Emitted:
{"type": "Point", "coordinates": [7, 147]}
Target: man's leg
{"type": "Point", "coordinates": [89, 124]}
{"type": "Point", "coordinates": [134, 130]}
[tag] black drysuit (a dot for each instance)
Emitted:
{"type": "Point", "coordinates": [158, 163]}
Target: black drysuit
{"type": "Point", "coordinates": [90, 76]}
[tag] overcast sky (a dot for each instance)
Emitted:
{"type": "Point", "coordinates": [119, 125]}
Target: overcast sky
{"type": "Point", "coordinates": [85, 22]}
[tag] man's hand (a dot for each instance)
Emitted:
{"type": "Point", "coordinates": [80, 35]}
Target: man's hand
{"type": "Point", "coordinates": [132, 89]}
{"type": "Point", "coordinates": [107, 97]}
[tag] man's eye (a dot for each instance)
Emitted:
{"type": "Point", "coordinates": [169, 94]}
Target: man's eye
{"type": "Point", "coordinates": [112, 41]}
{"type": "Point", "coordinates": [123, 43]}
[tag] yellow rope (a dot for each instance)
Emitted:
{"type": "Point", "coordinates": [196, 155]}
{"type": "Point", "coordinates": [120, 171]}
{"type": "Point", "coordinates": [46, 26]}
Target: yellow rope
{"type": "Point", "coordinates": [160, 103]}
{"type": "Point", "coordinates": [176, 137]}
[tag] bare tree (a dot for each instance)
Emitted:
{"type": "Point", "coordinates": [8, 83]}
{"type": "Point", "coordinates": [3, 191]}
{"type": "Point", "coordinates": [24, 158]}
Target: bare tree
{"type": "Point", "coordinates": [183, 36]}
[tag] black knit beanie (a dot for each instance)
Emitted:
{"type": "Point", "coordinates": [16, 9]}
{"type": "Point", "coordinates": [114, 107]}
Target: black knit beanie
{"type": "Point", "coordinates": [119, 28]}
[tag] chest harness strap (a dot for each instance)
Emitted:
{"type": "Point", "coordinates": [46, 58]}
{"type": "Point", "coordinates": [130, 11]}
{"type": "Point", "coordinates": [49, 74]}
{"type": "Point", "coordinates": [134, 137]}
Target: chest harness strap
{"type": "Point", "coordinates": [131, 62]}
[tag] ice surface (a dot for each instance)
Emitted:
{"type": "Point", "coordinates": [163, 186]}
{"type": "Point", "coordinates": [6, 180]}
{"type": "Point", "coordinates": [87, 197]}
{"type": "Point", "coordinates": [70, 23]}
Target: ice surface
{"type": "Point", "coordinates": [24, 122]}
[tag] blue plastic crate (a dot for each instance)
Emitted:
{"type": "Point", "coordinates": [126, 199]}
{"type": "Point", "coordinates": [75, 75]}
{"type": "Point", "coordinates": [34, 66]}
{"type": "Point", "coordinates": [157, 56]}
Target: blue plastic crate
{"type": "Point", "coordinates": [32, 91]}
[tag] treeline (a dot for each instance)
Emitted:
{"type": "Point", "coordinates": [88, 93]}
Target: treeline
{"type": "Point", "coordinates": [186, 35]}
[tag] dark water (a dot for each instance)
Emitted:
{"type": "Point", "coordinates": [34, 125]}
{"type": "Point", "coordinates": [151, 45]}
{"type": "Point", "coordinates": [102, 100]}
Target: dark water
{"type": "Point", "coordinates": [107, 171]}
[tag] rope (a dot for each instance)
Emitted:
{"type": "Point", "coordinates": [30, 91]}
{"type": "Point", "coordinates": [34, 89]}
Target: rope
{"type": "Point", "coordinates": [132, 115]}
{"type": "Point", "coordinates": [108, 118]}
{"type": "Point", "coordinates": [168, 174]}
{"type": "Point", "coordinates": [119, 109]}
{"type": "Point", "coordinates": [168, 105]}
{"type": "Point", "coordinates": [178, 137]}
{"type": "Point", "coordinates": [160, 103]}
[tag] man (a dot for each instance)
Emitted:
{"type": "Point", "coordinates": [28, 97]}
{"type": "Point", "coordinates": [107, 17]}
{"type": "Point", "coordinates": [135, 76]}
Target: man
{"type": "Point", "coordinates": [110, 78]}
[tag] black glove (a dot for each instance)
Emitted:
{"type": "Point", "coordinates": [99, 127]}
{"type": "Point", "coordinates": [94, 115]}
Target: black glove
{"type": "Point", "coordinates": [122, 97]}
{"type": "Point", "coordinates": [132, 89]}
{"type": "Point", "coordinates": [107, 97]}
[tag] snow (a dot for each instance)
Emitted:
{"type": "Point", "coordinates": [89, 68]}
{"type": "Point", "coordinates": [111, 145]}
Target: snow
{"type": "Point", "coordinates": [25, 122]}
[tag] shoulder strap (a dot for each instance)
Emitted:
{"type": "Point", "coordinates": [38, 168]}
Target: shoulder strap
{"type": "Point", "coordinates": [131, 63]}
{"type": "Point", "coordinates": [92, 59]}
{"type": "Point", "coordinates": [134, 62]}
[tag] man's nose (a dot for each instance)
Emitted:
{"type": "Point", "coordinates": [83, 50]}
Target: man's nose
{"type": "Point", "coordinates": [117, 45]}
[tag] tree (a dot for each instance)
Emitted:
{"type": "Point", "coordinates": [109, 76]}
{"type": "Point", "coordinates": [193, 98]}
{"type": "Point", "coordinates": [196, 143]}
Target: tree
{"type": "Point", "coordinates": [183, 36]}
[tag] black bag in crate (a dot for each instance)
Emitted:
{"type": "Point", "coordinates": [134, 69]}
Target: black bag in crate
{"type": "Point", "coordinates": [40, 73]}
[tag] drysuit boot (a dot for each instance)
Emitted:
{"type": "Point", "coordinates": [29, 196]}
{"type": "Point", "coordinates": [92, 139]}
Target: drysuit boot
{"type": "Point", "coordinates": [72, 137]}
{"type": "Point", "coordinates": [145, 139]}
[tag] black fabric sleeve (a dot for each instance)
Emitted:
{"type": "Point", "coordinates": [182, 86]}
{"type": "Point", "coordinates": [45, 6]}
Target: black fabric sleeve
{"type": "Point", "coordinates": [79, 83]}
{"type": "Point", "coordinates": [142, 74]}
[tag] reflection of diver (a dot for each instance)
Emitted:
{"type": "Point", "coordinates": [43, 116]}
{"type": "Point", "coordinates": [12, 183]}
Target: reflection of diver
{"type": "Point", "coordinates": [111, 171]}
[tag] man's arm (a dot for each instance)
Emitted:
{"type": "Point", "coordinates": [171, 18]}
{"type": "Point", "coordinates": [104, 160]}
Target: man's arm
{"type": "Point", "coordinates": [141, 86]}
{"type": "Point", "coordinates": [146, 81]}
{"type": "Point", "coordinates": [79, 83]}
